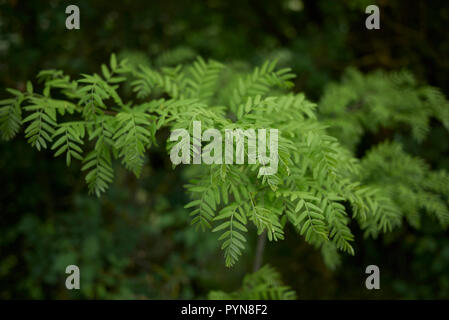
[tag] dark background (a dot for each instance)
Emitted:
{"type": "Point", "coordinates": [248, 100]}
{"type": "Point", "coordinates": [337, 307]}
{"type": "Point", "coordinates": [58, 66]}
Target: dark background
{"type": "Point", "coordinates": [135, 242]}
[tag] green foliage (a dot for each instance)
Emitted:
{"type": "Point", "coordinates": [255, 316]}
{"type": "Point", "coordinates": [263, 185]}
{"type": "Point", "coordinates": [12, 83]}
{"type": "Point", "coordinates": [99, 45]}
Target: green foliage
{"type": "Point", "coordinates": [69, 140]}
{"type": "Point", "coordinates": [234, 226]}
{"type": "Point", "coordinates": [317, 179]}
{"type": "Point", "coordinates": [409, 182]}
{"type": "Point", "coordinates": [42, 123]}
{"type": "Point", "coordinates": [133, 137]}
{"type": "Point", "coordinates": [264, 284]}
{"type": "Point", "coordinates": [382, 103]}
{"type": "Point", "coordinates": [11, 115]}
{"type": "Point", "coordinates": [378, 101]}
{"type": "Point", "coordinates": [106, 243]}
{"type": "Point", "coordinates": [100, 174]}
{"type": "Point", "coordinates": [98, 161]}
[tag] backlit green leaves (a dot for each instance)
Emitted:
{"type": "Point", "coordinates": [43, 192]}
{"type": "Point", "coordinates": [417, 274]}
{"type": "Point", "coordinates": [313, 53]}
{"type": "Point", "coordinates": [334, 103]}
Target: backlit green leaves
{"type": "Point", "coordinates": [338, 225]}
{"type": "Point", "coordinates": [100, 173]}
{"type": "Point", "coordinates": [267, 219]}
{"type": "Point", "coordinates": [316, 178]}
{"type": "Point", "coordinates": [264, 284]}
{"type": "Point", "coordinates": [310, 220]}
{"type": "Point", "coordinates": [68, 138]}
{"type": "Point", "coordinates": [133, 136]}
{"type": "Point", "coordinates": [203, 79]}
{"type": "Point", "coordinates": [233, 228]}
{"type": "Point", "coordinates": [11, 115]}
{"type": "Point", "coordinates": [260, 82]}
{"type": "Point", "coordinates": [92, 95]}
{"type": "Point", "coordinates": [42, 123]}
{"type": "Point", "coordinates": [205, 205]}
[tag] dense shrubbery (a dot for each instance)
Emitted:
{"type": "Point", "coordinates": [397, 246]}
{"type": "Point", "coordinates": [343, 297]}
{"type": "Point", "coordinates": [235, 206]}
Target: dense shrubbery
{"type": "Point", "coordinates": [380, 162]}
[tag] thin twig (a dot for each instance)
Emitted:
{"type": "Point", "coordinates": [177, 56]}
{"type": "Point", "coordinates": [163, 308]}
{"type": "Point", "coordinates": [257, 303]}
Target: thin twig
{"type": "Point", "coordinates": [259, 250]}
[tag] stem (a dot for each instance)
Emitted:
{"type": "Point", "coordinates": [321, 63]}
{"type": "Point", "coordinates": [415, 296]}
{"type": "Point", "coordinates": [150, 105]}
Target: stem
{"type": "Point", "coordinates": [259, 250]}
{"type": "Point", "coordinates": [260, 241]}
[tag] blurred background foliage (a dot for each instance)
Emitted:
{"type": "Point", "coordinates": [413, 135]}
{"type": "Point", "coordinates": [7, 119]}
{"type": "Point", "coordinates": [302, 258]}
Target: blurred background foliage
{"type": "Point", "coordinates": [135, 242]}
